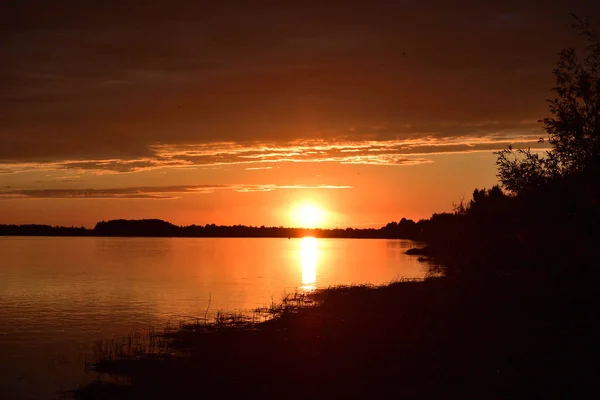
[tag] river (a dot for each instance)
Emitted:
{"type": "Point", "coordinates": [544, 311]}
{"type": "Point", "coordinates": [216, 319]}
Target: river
{"type": "Point", "coordinates": [59, 295]}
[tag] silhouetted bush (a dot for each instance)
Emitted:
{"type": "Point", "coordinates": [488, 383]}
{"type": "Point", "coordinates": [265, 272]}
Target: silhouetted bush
{"type": "Point", "coordinates": [573, 127]}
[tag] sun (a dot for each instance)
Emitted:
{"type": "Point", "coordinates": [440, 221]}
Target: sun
{"type": "Point", "coordinates": [307, 215]}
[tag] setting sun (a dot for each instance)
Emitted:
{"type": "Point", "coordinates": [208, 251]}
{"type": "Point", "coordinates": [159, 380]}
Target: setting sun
{"type": "Point", "coordinates": [307, 215]}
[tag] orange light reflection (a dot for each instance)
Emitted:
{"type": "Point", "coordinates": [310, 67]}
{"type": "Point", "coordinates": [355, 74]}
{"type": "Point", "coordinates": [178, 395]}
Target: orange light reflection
{"type": "Point", "coordinates": [309, 256]}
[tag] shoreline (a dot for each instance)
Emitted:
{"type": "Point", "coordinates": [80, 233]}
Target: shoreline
{"type": "Point", "coordinates": [218, 237]}
{"type": "Point", "coordinates": [160, 228]}
{"type": "Point", "coordinates": [439, 337]}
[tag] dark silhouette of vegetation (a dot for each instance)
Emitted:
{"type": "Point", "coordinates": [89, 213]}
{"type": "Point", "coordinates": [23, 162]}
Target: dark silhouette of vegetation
{"type": "Point", "coordinates": [549, 218]}
{"type": "Point", "coordinates": [42, 230]}
{"type": "Point", "coordinates": [143, 227]}
{"type": "Point", "coordinates": [405, 229]}
{"type": "Point", "coordinates": [442, 338]}
{"type": "Point", "coordinates": [573, 127]}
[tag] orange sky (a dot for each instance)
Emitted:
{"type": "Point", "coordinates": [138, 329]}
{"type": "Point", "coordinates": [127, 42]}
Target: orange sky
{"type": "Point", "coordinates": [241, 112]}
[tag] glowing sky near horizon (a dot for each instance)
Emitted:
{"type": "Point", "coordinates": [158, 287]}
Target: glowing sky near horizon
{"type": "Point", "coordinates": [244, 112]}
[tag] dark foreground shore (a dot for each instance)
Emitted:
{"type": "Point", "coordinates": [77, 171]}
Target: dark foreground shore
{"type": "Point", "coordinates": [511, 337]}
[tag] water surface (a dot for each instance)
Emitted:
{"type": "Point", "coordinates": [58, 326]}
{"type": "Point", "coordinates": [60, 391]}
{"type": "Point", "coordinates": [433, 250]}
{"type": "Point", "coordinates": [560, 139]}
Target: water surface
{"type": "Point", "coordinates": [59, 295]}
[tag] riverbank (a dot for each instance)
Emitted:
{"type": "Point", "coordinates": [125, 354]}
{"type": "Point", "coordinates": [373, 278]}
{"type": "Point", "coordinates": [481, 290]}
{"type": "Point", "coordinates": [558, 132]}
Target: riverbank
{"type": "Point", "coordinates": [159, 228]}
{"type": "Point", "coordinates": [508, 337]}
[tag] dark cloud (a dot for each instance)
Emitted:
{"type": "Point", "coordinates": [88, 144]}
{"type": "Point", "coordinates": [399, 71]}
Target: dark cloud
{"type": "Point", "coordinates": [159, 192]}
{"type": "Point", "coordinates": [111, 80]}
{"type": "Point", "coordinates": [151, 192]}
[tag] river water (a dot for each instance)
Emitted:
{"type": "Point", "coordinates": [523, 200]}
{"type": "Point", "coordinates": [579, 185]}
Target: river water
{"type": "Point", "coordinates": [58, 296]}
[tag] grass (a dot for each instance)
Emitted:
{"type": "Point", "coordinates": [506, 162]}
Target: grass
{"type": "Point", "coordinates": [443, 337]}
{"type": "Point", "coordinates": [135, 345]}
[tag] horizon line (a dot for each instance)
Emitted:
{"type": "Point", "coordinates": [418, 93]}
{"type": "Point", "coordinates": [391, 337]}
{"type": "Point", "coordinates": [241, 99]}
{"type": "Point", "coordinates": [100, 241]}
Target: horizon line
{"type": "Point", "coordinates": [380, 226]}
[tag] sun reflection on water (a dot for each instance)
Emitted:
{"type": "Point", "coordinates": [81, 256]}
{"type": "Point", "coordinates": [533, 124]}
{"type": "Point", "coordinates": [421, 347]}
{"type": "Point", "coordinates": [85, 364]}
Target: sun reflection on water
{"type": "Point", "coordinates": [309, 255]}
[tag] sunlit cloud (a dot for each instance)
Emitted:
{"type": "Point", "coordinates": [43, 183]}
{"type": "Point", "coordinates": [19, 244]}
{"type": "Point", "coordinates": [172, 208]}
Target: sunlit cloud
{"type": "Point", "coordinates": [270, 188]}
{"type": "Point", "coordinates": [257, 168]}
{"type": "Point", "coordinates": [400, 152]}
{"type": "Point", "coordinates": [150, 192]}
{"type": "Point", "coordinates": [366, 152]}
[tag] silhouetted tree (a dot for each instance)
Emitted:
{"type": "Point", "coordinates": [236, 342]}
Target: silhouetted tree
{"type": "Point", "coordinates": [486, 199]}
{"type": "Point", "coordinates": [573, 127]}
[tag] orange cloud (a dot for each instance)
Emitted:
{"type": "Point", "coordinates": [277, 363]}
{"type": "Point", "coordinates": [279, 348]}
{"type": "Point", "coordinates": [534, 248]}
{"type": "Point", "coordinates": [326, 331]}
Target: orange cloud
{"type": "Point", "coordinates": [368, 152]}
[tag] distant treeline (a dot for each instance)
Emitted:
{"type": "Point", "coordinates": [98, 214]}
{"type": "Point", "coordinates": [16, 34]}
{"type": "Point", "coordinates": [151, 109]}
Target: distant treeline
{"type": "Point", "coordinates": [43, 230]}
{"type": "Point", "coordinates": [405, 229]}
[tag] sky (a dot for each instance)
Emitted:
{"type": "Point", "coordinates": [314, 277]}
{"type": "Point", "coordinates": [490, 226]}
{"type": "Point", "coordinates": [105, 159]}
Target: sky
{"type": "Point", "coordinates": [277, 113]}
